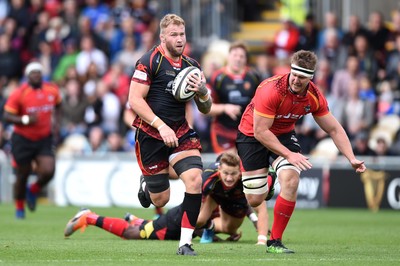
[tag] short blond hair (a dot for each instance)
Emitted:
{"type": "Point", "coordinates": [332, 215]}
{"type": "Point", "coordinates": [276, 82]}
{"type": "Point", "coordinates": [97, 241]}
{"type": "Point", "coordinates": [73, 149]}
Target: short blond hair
{"type": "Point", "coordinates": [170, 19]}
{"type": "Point", "coordinates": [230, 159]}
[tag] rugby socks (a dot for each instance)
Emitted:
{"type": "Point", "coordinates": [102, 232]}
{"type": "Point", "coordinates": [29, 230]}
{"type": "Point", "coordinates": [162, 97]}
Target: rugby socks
{"type": "Point", "coordinates": [34, 188]}
{"type": "Point", "coordinates": [282, 212]}
{"type": "Point", "coordinates": [115, 226]}
{"type": "Point", "coordinates": [190, 212]}
{"type": "Point", "coordinates": [20, 204]}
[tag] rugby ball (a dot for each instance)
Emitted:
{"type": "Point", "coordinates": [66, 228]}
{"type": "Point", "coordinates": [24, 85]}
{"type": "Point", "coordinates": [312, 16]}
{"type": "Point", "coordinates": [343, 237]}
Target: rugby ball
{"type": "Point", "coordinates": [180, 87]}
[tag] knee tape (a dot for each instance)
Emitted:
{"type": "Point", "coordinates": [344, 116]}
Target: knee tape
{"type": "Point", "coordinates": [255, 184]}
{"type": "Point", "coordinates": [188, 163]}
{"type": "Point", "coordinates": [282, 164]}
{"type": "Point", "coordinates": [157, 183]}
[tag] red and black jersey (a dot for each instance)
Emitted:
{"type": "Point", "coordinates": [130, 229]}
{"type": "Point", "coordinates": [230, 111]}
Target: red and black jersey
{"type": "Point", "coordinates": [214, 187]}
{"type": "Point", "coordinates": [234, 89]}
{"type": "Point", "coordinates": [25, 100]}
{"type": "Point", "coordinates": [158, 71]}
{"type": "Point", "coordinates": [273, 99]}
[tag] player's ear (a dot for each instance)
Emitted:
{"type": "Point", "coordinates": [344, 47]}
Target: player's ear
{"type": "Point", "coordinates": [162, 38]}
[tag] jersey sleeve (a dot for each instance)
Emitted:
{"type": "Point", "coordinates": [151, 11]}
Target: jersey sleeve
{"type": "Point", "coordinates": [323, 107]}
{"type": "Point", "coordinates": [142, 73]}
{"type": "Point", "coordinates": [12, 104]}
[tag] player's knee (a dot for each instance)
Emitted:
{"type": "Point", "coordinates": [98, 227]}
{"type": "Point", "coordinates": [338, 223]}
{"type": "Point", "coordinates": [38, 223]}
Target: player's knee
{"type": "Point", "coordinates": [255, 200]}
{"type": "Point", "coordinates": [159, 200]}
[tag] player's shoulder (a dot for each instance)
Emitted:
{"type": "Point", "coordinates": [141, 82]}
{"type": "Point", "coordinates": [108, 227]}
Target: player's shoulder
{"type": "Point", "coordinates": [312, 88]}
{"type": "Point", "coordinates": [210, 170]}
{"type": "Point", "coordinates": [190, 61]}
{"type": "Point", "coordinates": [276, 84]}
{"type": "Point", "coordinates": [20, 89]}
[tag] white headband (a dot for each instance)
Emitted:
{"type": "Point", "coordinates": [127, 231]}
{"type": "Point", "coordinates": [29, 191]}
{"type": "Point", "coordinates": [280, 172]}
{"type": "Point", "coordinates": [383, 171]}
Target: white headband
{"type": "Point", "coordinates": [34, 66]}
{"type": "Point", "coordinates": [302, 71]}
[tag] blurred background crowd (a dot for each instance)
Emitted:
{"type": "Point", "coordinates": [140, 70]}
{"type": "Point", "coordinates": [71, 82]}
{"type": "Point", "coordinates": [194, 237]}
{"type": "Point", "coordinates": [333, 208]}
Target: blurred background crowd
{"type": "Point", "coordinates": [89, 49]}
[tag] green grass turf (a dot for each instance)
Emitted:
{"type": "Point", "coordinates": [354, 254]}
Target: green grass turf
{"type": "Point", "coordinates": [319, 237]}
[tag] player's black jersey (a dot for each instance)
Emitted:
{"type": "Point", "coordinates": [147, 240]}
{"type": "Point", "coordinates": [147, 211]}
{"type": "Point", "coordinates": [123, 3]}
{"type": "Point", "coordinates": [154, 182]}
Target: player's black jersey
{"type": "Point", "coordinates": [213, 186]}
{"type": "Point", "coordinates": [233, 89]}
{"type": "Point", "coordinates": [158, 71]}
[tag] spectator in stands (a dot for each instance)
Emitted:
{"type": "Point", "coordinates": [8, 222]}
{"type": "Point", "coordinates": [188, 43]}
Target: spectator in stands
{"type": "Point", "coordinates": [10, 62]}
{"type": "Point", "coordinates": [19, 13]}
{"type": "Point", "coordinates": [332, 50]}
{"type": "Point", "coordinates": [308, 39]}
{"type": "Point", "coordinates": [379, 36]}
{"type": "Point", "coordinates": [96, 11]}
{"type": "Point", "coordinates": [145, 16]}
{"type": "Point", "coordinates": [115, 142]}
{"type": "Point", "coordinates": [383, 148]}
{"type": "Point", "coordinates": [38, 32]}
{"type": "Point", "coordinates": [128, 55]}
{"type": "Point", "coordinates": [355, 28]}
{"type": "Point", "coordinates": [67, 60]}
{"type": "Point", "coordinates": [393, 59]}
{"type": "Point", "coordinates": [70, 13]}
{"type": "Point", "coordinates": [357, 114]}
{"type": "Point", "coordinates": [97, 142]}
{"type": "Point", "coordinates": [57, 34]}
{"type": "Point", "coordinates": [323, 76]}
{"type": "Point", "coordinates": [47, 59]}
{"type": "Point", "coordinates": [330, 23]}
{"type": "Point", "coordinates": [342, 77]}
{"type": "Point", "coordinates": [110, 108]}
{"type": "Point", "coordinates": [73, 107]}
{"type": "Point", "coordinates": [285, 40]}
{"type": "Point", "coordinates": [93, 115]}
{"type": "Point", "coordinates": [117, 82]}
{"type": "Point", "coordinates": [264, 65]}
{"type": "Point", "coordinates": [85, 29]}
{"type": "Point", "coordinates": [127, 30]}
{"type": "Point", "coordinates": [360, 144]}
{"type": "Point", "coordinates": [90, 54]}
{"type": "Point", "coordinates": [366, 58]}
{"type": "Point", "coordinates": [367, 91]}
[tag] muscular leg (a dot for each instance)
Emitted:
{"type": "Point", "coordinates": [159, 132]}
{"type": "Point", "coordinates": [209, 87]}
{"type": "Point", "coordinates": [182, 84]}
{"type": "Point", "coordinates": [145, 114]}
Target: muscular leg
{"type": "Point", "coordinates": [192, 199]}
{"type": "Point", "coordinates": [45, 169]}
{"type": "Point", "coordinates": [285, 202]}
{"type": "Point", "coordinates": [262, 223]}
{"type": "Point", "coordinates": [22, 173]}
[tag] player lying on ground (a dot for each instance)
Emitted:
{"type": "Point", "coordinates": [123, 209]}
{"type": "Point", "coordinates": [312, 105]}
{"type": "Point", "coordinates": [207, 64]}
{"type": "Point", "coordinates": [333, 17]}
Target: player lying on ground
{"type": "Point", "coordinates": [167, 227]}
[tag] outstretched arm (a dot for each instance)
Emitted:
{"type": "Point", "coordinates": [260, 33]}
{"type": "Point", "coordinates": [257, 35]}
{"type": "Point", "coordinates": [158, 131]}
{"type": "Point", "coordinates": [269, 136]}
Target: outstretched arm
{"type": "Point", "coordinates": [330, 125]}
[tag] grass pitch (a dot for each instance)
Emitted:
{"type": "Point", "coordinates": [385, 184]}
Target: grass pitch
{"type": "Point", "coordinates": [319, 237]}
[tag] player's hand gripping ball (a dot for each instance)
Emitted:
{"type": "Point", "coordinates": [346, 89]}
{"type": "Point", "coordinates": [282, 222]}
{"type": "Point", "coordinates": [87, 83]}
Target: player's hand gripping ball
{"type": "Point", "coordinates": [180, 86]}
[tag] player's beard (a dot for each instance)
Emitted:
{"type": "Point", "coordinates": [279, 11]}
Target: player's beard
{"type": "Point", "coordinates": [173, 51]}
{"type": "Point", "coordinates": [36, 83]}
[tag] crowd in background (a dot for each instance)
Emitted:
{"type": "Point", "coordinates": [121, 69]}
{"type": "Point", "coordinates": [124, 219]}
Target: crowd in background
{"type": "Point", "coordinates": [89, 49]}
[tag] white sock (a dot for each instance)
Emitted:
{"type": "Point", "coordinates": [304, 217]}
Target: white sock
{"type": "Point", "coordinates": [186, 236]}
